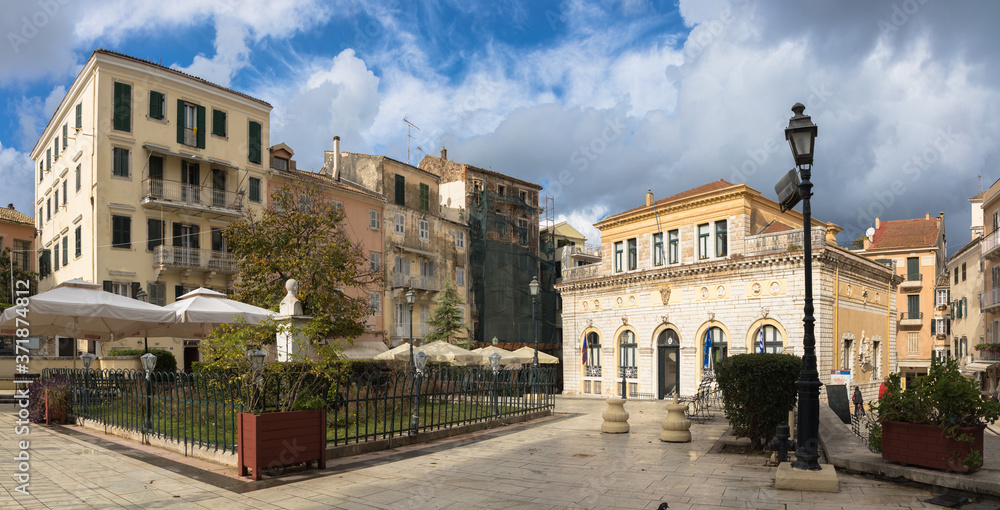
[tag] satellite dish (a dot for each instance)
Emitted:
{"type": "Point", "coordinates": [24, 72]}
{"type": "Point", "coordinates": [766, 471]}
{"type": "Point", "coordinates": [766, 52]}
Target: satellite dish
{"type": "Point", "coordinates": [870, 232]}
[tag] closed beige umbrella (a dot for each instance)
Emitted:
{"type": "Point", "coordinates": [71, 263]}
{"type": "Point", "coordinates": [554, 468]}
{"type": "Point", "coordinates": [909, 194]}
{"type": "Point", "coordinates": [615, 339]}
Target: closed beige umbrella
{"type": "Point", "coordinates": [543, 359]}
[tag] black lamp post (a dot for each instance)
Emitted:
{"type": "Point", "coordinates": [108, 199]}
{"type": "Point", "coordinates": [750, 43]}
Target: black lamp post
{"type": "Point", "coordinates": [495, 365]}
{"type": "Point", "coordinates": [142, 296]}
{"type": "Point", "coordinates": [148, 364]}
{"type": "Point", "coordinates": [801, 135]}
{"type": "Point", "coordinates": [420, 361]}
{"type": "Point", "coordinates": [87, 359]}
{"type": "Point", "coordinates": [533, 288]}
{"type": "Point", "coordinates": [410, 299]}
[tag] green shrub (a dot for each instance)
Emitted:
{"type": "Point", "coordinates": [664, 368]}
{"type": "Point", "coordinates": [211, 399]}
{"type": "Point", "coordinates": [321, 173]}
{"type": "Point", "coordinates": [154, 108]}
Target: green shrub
{"type": "Point", "coordinates": [758, 391]}
{"type": "Point", "coordinates": [165, 360]}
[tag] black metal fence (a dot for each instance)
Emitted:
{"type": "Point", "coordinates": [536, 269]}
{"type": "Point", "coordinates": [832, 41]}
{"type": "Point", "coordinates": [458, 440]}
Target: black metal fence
{"type": "Point", "coordinates": [201, 409]}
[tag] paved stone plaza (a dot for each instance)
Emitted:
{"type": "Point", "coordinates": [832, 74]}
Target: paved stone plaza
{"type": "Point", "coordinates": [559, 462]}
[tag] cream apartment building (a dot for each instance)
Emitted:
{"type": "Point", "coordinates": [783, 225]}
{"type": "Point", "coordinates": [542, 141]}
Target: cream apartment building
{"type": "Point", "coordinates": [138, 171]}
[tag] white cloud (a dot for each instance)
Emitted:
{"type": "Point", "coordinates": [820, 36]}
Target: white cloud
{"type": "Point", "coordinates": [17, 176]}
{"type": "Point", "coordinates": [231, 54]}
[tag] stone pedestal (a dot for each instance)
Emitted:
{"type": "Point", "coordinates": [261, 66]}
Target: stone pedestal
{"type": "Point", "coordinates": [615, 417]}
{"type": "Point", "coordinates": [820, 480]}
{"type": "Point", "coordinates": [676, 426]}
{"type": "Point", "coordinates": [291, 343]}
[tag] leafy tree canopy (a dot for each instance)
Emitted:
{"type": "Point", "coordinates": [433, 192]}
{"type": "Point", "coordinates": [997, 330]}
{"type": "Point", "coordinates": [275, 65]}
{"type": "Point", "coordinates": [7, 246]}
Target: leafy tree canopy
{"type": "Point", "coordinates": [19, 274]}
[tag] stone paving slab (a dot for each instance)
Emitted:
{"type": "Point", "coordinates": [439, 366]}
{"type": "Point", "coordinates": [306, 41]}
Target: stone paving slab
{"type": "Point", "coordinates": [559, 462]}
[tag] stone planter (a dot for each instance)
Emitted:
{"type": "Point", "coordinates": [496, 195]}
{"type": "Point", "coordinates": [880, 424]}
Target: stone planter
{"type": "Point", "coordinates": [615, 417]}
{"type": "Point", "coordinates": [271, 440]}
{"type": "Point", "coordinates": [925, 445]}
{"type": "Point", "coordinates": [676, 426]}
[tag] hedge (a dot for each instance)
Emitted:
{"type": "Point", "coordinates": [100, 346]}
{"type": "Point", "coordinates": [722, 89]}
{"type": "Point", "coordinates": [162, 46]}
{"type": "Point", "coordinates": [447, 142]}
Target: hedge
{"type": "Point", "coordinates": [758, 391]}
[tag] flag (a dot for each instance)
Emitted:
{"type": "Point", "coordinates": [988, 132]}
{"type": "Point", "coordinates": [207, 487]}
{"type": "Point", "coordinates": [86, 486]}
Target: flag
{"type": "Point", "coordinates": [584, 350]}
{"type": "Point", "coordinates": [760, 340]}
{"type": "Point", "coordinates": [708, 348]}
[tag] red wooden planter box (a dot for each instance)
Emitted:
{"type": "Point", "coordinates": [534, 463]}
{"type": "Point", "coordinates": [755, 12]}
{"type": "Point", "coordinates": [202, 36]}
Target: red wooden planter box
{"type": "Point", "coordinates": [271, 440]}
{"type": "Point", "coordinates": [925, 445]}
{"type": "Point", "coordinates": [54, 410]}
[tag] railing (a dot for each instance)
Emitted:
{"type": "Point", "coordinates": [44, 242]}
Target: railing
{"type": "Point", "coordinates": [192, 194]}
{"type": "Point", "coordinates": [178, 256]}
{"type": "Point", "coordinates": [201, 409]}
{"type": "Point", "coordinates": [592, 371]}
{"type": "Point", "coordinates": [904, 316]}
{"type": "Point", "coordinates": [628, 372]}
{"type": "Point", "coordinates": [417, 282]}
{"type": "Point", "coordinates": [989, 298]}
{"type": "Point", "coordinates": [402, 330]}
{"type": "Point", "coordinates": [990, 243]}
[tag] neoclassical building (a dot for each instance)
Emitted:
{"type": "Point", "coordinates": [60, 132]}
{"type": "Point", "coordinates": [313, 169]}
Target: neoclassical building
{"type": "Point", "coordinates": [712, 272]}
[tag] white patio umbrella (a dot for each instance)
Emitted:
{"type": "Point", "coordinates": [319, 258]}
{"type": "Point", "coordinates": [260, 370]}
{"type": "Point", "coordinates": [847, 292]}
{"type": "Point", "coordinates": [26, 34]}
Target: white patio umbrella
{"type": "Point", "coordinates": [202, 310]}
{"type": "Point", "coordinates": [83, 310]}
{"type": "Point", "coordinates": [400, 352]}
{"type": "Point", "coordinates": [543, 358]}
{"type": "Point", "coordinates": [506, 357]}
{"type": "Point", "coordinates": [443, 352]}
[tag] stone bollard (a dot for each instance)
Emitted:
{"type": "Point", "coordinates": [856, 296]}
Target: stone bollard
{"type": "Point", "coordinates": [615, 417]}
{"type": "Point", "coordinates": [676, 426]}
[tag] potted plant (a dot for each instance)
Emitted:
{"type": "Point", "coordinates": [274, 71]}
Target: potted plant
{"type": "Point", "coordinates": [937, 422]}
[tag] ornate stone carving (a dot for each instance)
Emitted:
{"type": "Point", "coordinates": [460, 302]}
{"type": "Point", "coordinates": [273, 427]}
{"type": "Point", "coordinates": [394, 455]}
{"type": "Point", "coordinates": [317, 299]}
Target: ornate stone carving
{"type": "Point", "coordinates": [865, 353]}
{"type": "Point", "coordinates": [624, 320]}
{"type": "Point", "coordinates": [665, 294]}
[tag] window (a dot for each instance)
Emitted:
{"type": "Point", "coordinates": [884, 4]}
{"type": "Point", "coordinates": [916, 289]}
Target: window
{"type": "Point", "coordinates": [45, 263]}
{"type": "Point", "coordinates": [460, 239]}
{"type": "Point", "coordinates": [218, 123]}
{"type": "Point", "coordinates": [120, 161]}
{"type": "Point", "coordinates": [913, 306]}
{"type": "Point", "coordinates": [157, 105]}
{"type": "Point", "coordinates": [22, 250]}
{"type": "Point", "coordinates": [703, 241]}
{"type": "Point", "coordinates": [254, 137]}
{"type": "Point", "coordinates": [66, 346]}
{"type": "Point", "coordinates": [632, 255]}
{"type": "Point", "coordinates": [963, 271]}
{"type": "Point", "coordinates": [845, 355]}
{"type": "Point", "coordinates": [522, 231]}
{"type": "Point", "coordinates": [375, 303]}
{"type": "Point", "coordinates": [425, 230]}
{"type": "Point", "coordinates": [48, 209]}
{"type": "Point", "coordinates": [501, 189]}
{"type": "Point", "coordinates": [65, 135]}
{"type": "Point", "coordinates": [619, 253]}
{"type": "Point", "coordinates": [627, 361]}
{"type": "Point", "coordinates": [78, 240]}
{"type": "Point", "coordinates": [400, 198]}
{"type": "Point", "coordinates": [769, 339]}
{"type": "Point", "coordinates": [40, 222]}
{"type": "Point", "coordinates": [65, 250]}
{"type": "Point", "coordinates": [280, 163]}
{"type": "Point", "coordinates": [956, 276]}
{"type": "Point", "coordinates": [374, 219]}
{"type": "Point", "coordinates": [425, 197]}
{"type": "Point", "coordinates": [79, 177]}
{"type": "Point", "coordinates": [658, 249]}
{"type": "Point", "coordinates": [912, 343]}
{"type": "Point", "coordinates": [715, 347]}
{"type": "Point", "coordinates": [41, 171]}
{"type": "Point", "coordinates": [674, 246]}
{"type": "Point", "coordinates": [523, 195]}
{"type": "Point", "coordinates": [912, 268]}
{"type": "Point", "coordinates": [460, 277]}
{"type": "Point", "coordinates": [592, 351]}
{"type": "Point", "coordinates": [219, 243]}
{"type": "Point", "coordinates": [402, 265]}
{"type": "Point", "coordinates": [400, 227]}
{"type": "Point", "coordinates": [721, 239]}
{"type": "Point", "coordinates": [254, 189]}
{"type": "Point", "coordinates": [48, 159]}
{"type": "Point", "coordinates": [65, 191]}
{"type": "Point", "coordinates": [374, 260]}
{"type": "Point", "coordinates": [121, 231]}
{"type": "Point", "coordinates": [55, 148]}
{"type": "Point", "coordinates": [427, 268]}
{"type": "Point", "coordinates": [57, 198]}
{"type": "Point", "coordinates": [123, 107]}
{"type": "Point", "coordinates": [942, 298]}
{"type": "Point", "coordinates": [55, 260]}
{"type": "Point", "coordinates": [79, 115]}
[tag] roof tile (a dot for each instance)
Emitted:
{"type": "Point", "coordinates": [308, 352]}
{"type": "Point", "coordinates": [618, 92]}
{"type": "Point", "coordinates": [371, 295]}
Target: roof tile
{"type": "Point", "coordinates": [915, 233]}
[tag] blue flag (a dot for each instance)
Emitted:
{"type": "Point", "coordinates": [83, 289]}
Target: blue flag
{"type": "Point", "coordinates": [760, 340]}
{"type": "Point", "coordinates": [584, 350]}
{"type": "Point", "coordinates": [708, 348]}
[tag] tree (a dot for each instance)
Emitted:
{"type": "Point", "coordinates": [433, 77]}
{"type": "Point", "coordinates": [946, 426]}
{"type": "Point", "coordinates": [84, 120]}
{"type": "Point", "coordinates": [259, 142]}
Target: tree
{"type": "Point", "coordinates": [446, 318]}
{"type": "Point", "coordinates": [14, 274]}
{"type": "Point", "coordinates": [302, 235]}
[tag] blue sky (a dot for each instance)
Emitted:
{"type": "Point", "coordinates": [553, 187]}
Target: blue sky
{"type": "Point", "coordinates": [596, 100]}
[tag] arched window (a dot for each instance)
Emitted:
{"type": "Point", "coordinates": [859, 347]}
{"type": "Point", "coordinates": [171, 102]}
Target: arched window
{"type": "Point", "coordinates": [768, 339]}
{"type": "Point", "coordinates": [714, 347]}
{"type": "Point", "coordinates": [668, 338]}
{"type": "Point", "coordinates": [629, 366]}
{"type": "Point", "coordinates": [592, 353]}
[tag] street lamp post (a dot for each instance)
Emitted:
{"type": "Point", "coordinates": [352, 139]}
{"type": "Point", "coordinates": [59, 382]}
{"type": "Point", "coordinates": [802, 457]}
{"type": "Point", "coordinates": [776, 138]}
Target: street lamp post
{"type": "Point", "coordinates": [87, 359]}
{"type": "Point", "coordinates": [420, 361]}
{"type": "Point", "coordinates": [495, 365]}
{"type": "Point", "coordinates": [410, 299]}
{"type": "Point", "coordinates": [801, 135]}
{"type": "Point", "coordinates": [533, 288]}
{"type": "Point", "coordinates": [142, 296]}
{"type": "Point", "coordinates": [148, 364]}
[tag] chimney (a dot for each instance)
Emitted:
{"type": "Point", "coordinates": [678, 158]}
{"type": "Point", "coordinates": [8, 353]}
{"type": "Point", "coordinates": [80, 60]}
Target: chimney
{"type": "Point", "coordinates": [927, 216]}
{"type": "Point", "coordinates": [10, 206]}
{"type": "Point", "coordinates": [649, 198]}
{"type": "Point", "coordinates": [444, 153]}
{"type": "Point", "coordinates": [335, 172]}
{"type": "Point", "coordinates": [878, 221]}
{"type": "Point", "coordinates": [940, 218]}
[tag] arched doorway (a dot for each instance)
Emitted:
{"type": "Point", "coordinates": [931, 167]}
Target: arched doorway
{"type": "Point", "coordinates": [668, 362]}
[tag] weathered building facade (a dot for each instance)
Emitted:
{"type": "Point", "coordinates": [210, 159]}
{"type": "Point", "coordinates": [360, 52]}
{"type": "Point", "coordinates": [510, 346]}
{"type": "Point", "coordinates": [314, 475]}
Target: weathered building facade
{"type": "Point", "coordinates": [712, 272]}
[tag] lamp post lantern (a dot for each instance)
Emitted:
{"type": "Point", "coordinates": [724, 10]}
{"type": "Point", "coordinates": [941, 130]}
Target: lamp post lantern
{"type": "Point", "coordinates": [533, 288]}
{"type": "Point", "coordinates": [410, 299]}
{"type": "Point", "coordinates": [801, 136]}
{"type": "Point", "coordinates": [87, 359]}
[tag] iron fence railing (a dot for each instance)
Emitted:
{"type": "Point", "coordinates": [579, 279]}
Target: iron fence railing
{"type": "Point", "coordinates": [861, 425]}
{"type": "Point", "coordinates": [201, 409]}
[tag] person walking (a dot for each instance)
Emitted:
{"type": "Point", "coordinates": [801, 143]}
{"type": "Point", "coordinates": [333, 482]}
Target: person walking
{"type": "Point", "coordinates": [859, 402]}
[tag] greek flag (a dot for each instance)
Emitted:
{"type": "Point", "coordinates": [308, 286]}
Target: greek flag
{"type": "Point", "coordinates": [760, 340]}
{"type": "Point", "coordinates": [585, 350]}
{"type": "Point", "coordinates": [708, 348]}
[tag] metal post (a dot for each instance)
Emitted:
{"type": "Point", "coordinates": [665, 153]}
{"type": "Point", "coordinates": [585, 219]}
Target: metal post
{"type": "Point", "coordinates": [496, 391]}
{"type": "Point", "coordinates": [534, 361]}
{"type": "Point", "coordinates": [807, 456]}
{"type": "Point", "coordinates": [149, 404]}
{"type": "Point", "coordinates": [415, 419]}
{"type": "Point", "coordinates": [411, 336]}
{"type": "Point", "coordinates": [624, 393]}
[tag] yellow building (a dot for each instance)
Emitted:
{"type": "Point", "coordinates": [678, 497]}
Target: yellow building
{"type": "Point", "coordinates": [138, 172]}
{"type": "Point", "coordinates": [918, 251]}
{"type": "Point", "coordinates": [712, 272]}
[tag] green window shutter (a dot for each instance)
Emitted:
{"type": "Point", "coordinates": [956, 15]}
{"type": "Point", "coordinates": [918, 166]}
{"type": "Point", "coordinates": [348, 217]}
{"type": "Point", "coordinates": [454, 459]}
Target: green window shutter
{"type": "Point", "coordinates": [201, 127]}
{"type": "Point", "coordinates": [123, 107]}
{"type": "Point", "coordinates": [79, 116]}
{"type": "Point", "coordinates": [48, 159]}
{"type": "Point", "coordinates": [180, 121]}
{"type": "Point", "coordinates": [218, 123]}
{"type": "Point", "coordinates": [425, 194]}
{"type": "Point", "coordinates": [400, 190]}
{"type": "Point", "coordinates": [65, 134]}
{"type": "Point", "coordinates": [55, 146]}
{"type": "Point", "coordinates": [254, 151]}
{"type": "Point", "coordinates": [108, 286]}
{"type": "Point", "coordinates": [156, 105]}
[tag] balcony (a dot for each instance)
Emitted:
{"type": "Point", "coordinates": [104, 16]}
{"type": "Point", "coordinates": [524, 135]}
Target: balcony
{"type": "Point", "coordinates": [402, 330]}
{"type": "Point", "coordinates": [990, 300]}
{"type": "Point", "coordinates": [913, 281]}
{"type": "Point", "coordinates": [991, 245]}
{"type": "Point", "coordinates": [178, 195]}
{"type": "Point", "coordinates": [194, 258]}
{"type": "Point", "coordinates": [911, 319]}
{"type": "Point", "coordinates": [415, 282]}
{"type": "Point", "coordinates": [593, 371]}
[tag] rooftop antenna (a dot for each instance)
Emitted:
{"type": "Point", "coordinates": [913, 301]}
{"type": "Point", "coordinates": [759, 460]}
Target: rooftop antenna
{"type": "Point", "coordinates": [419, 150]}
{"type": "Point", "coordinates": [408, 138]}
{"type": "Point", "coordinates": [980, 178]}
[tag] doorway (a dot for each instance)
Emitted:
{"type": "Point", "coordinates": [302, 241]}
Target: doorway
{"type": "Point", "coordinates": [668, 363]}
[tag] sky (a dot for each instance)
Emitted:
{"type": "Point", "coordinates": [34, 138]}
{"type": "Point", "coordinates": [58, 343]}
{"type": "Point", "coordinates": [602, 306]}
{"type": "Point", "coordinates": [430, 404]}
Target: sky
{"type": "Point", "coordinates": [597, 101]}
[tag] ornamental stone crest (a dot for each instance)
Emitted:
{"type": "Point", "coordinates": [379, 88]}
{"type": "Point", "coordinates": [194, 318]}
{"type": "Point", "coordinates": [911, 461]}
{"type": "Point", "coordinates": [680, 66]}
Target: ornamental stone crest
{"type": "Point", "coordinates": [865, 353]}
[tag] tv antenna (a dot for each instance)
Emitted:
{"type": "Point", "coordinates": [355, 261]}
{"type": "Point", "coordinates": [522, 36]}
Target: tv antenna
{"type": "Point", "coordinates": [409, 137]}
{"type": "Point", "coordinates": [980, 179]}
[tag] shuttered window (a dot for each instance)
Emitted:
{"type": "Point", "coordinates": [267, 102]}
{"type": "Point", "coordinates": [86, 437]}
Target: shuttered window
{"type": "Point", "coordinates": [254, 150]}
{"type": "Point", "coordinates": [156, 104]}
{"type": "Point", "coordinates": [155, 233]}
{"type": "Point", "coordinates": [400, 190]}
{"type": "Point", "coordinates": [218, 123]}
{"type": "Point", "coordinates": [123, 107]}
{"type": "Point", "coordinates": [121, 231]}
{"type": "Point", "coordinates": [120, 162]}
{"type": "Point", "coordinates": [79, 116]}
